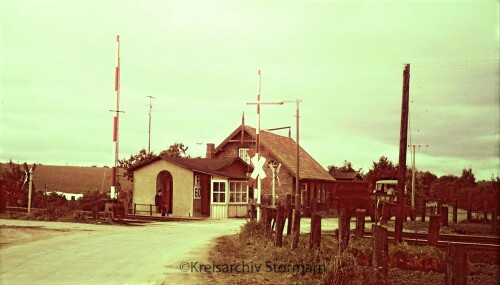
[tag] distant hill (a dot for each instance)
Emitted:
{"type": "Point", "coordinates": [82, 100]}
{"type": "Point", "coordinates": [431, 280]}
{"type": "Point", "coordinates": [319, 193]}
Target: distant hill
{"type": "Point", "coordinates": [73, 179]}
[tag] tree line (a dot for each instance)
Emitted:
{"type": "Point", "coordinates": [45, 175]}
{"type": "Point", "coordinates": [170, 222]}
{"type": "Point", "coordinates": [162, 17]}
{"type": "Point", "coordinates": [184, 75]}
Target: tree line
{"type": "Point", "coordinates": [463, 190]}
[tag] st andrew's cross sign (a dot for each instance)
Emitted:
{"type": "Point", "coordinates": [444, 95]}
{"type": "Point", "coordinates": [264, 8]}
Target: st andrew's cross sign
{"type": "Point", "coordinates": [258, 168]}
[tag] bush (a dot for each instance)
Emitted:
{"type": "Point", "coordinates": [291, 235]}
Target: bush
{"type": "Point", "coordinates": [423, 258]}
{"type": "Point", "coordinates": [252, 229]}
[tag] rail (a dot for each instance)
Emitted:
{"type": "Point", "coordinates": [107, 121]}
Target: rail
{"type": "Point", "coordinates": [149, 209]}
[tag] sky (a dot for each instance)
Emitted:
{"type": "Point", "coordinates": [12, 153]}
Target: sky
{"type": "Point", "coordinates": [200, 59]}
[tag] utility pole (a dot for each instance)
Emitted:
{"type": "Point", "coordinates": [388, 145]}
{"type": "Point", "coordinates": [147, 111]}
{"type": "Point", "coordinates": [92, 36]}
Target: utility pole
{"type": "Point", "coordinates": [403, 135]}
{"type": "Point", "coordinates": [296, 191]}
{"type": "Point", "coordinates": [29, 178]}
{"type": "Point", "coordinates": [413, 173]}
{"type": "Point", "coordinates": [149, 129]}
{"type": "Point", "coordinates": [257, 133]}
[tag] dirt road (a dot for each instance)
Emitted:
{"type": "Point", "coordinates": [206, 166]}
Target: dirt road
{"type": "Point", "coordinates": [68, 253]}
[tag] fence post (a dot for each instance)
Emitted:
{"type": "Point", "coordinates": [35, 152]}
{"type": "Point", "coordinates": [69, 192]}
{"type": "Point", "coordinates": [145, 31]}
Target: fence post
{"type": "Point", "coordinates": [360, 223]}
{"type": "Point", "coordinates": [150, 210]}
{"type": "Point", "coordinates": [263, 219]}
{"type": "Point", "coordinates": [455, 212]}
{"type": "Point", "coordinates": [444, 215]}
{"type": "Point", "coordinates": [456, 265]}
{"type": "Point", "coordinates": [380, 255]}
{"type": "Point", "coordinates": [344, 228]}
{"type": "Point", "coordinates": [135, 208]}
{"type": "Point", "coordinates": [494, 221]}
{"type": "Point", "coordinates": [289, 215]}
{"type": "Point", "coordinates": [315, 235]}
{"type": "Point", "coordinates": [280, 224]}
{"type": "Point", "coordinates": [295, 229]}
{"type": "Point", "coordinates": [432, 237]}
{"type": "Point", "coordinates": [424, 210]}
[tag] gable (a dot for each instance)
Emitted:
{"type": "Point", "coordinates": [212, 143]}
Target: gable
{"type": "Point", "coordinates": [283, 149]}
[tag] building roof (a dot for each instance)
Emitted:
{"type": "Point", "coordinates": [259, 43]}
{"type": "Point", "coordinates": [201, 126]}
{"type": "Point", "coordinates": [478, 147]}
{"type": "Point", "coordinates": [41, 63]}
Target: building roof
{"type": "Point", "coordinates": [345, 175]}
{"type": "Point", "coordinates": [215, 166]}
{"type": "Point", "coordinates": [73, 179]}
{"type": "Point", "coordinates": [284, 150]}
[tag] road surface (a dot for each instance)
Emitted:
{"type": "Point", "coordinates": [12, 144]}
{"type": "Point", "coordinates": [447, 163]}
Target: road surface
{"type": "Point", "coordinates": [34, 252]}
{"type": "Point", "coordinates": [69, 253]}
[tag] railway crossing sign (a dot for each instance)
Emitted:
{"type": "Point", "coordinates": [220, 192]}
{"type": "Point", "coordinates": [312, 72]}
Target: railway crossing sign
{"type": "Point", "coordinates": [258, 167]}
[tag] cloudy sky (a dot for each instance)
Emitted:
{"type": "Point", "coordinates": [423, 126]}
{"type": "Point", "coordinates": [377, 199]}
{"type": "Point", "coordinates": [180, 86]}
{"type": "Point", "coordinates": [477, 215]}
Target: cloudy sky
{"type": "Point", "coordinates": [200, 59]}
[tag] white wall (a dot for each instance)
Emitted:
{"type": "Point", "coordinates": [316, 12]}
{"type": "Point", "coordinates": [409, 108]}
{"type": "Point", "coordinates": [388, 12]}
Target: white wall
{"type": "Point", "coordinates": [145, 187]}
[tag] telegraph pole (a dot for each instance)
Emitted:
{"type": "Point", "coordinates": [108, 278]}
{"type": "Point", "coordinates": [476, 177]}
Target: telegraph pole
{"type": "Point", "coordinates": [403, 137]}
{"type": "Point", "coordinates": [413, 173]}
{"type": "Point", "coordinates": [149, 129]}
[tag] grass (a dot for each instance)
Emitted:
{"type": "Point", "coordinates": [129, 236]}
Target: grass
{"type": "Point", "coordinates": [407, 264]}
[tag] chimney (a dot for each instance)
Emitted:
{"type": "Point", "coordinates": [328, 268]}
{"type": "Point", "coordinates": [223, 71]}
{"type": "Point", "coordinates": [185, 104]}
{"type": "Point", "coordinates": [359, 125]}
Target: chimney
{"type": "Point", "coordinates": [210, 150]}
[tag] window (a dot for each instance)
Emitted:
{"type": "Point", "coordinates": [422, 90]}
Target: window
{"type": "Point", "coordinates": [243, 154]}
{"type": "Point", "coordinates": [238, 192]}
{"type": "Point", "coordinates": [219, 192]}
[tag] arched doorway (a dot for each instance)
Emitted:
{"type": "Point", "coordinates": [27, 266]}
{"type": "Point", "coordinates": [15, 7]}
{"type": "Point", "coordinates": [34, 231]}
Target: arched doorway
{"type": "Point", "coordinates": [165, 184]}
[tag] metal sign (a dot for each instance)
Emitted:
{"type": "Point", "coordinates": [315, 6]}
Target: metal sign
{"type": "Point", "coordinates": [197, 192]}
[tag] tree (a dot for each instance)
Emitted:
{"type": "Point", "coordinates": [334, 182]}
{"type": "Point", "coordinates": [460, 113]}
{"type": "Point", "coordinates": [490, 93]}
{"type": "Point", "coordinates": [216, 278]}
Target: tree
{"type": "Point", "coordinates": [346, 168]}
{"type": "Point", "coordinates": [383, 169]}
{"type": "Point", "coordinates": [12, 187]}
{"type": "Point", "coordinates": [140, 158]}
{"type": "Point", "coordinates": [175, 150]}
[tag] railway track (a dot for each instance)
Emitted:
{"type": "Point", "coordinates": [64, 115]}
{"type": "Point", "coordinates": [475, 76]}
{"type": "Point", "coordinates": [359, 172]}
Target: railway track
{"type": "Point", "coordinates": [472, 242]}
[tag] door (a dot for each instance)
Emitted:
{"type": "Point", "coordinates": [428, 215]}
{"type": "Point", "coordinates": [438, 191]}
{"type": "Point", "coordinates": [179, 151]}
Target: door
{"type": "Point", "coordinates": [165, 184]}
{"type": "Point", "coordinates": [205, 194]}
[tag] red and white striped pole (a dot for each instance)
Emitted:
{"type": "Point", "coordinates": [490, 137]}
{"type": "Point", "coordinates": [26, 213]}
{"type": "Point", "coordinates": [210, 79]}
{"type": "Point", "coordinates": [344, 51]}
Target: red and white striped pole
{"type": "Point", "coordinates": [113, 193]}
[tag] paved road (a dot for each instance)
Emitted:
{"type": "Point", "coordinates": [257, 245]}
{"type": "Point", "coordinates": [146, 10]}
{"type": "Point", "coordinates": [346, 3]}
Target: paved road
{"type": "Point", "coordinates": [102, 254]}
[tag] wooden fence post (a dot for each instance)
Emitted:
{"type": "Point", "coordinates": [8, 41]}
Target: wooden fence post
{"type": "Point", "coordinates": [432, 237]}
{"type": "Point", "coordinates": [344, 228]}
{"type": "Point", "coordinates": [455, 212]}
{"type": "Point", "coordinates": [360, 223]}
{"type": "Point", "coordinates": [271, 216]}
{"type": "Point", "coordinates": [280, 224]}
{"type": "Point", "coordinates": [384, 216]}
{"type": "Point", "coordinates": [289, 214]}
{"type": "Point", "coordinates": [380, 256]}
{"type": "Point", "coordinates": [444, 215]}
{"type": "Point", "coordinates": [456, 265]}
{"type": "Point", "coordinates": [315, 235]}
{"type": "Point", "coordinates": [494, 221]}
{"type": "Point", "coordinates": [150, 209]}
{"type": "Point", "coordinates": [424, 210]}
{"type": "Point", "coordinates": [253, 212]}
{"type": "Point", "coordinates": [295, 229]}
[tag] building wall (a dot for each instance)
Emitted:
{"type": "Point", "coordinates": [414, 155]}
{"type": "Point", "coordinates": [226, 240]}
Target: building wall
{"type": "Point", "coordinates": [286, 179]}
{"type": "Point", "coordinates": [145, 187]}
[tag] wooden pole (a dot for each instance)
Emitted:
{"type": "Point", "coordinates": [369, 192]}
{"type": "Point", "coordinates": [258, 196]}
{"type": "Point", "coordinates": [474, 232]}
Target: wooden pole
{"type": "Point", "coordinates": [494, 221]}
{"type": "Point", "coordinates": [432, 237]}
{"type": "Point", "coordinates": [455, 212]}
{"type": "Point", "coordinates": [315, 235]}
{"type": "Point", "coordinates": [295, 229]}
{"type": "Point", "coordinates": [444, 215]}
{"type": "Point", "coordinates": [360, 223]}
{"type": "Point", "coordinates": [289, 214]}
{"type": "Point", "coordinates": [456, 265]}
{"type": "Point", "coordinates": [344, 228]}
{"type": "Point", "coordinates": [424, 209]}
{"type": "Point", "coordinates": [380, 257]}
{"type": "Point", "coordinates": [398, 231]}
{"type": "Point", "coordinates": [280, 224]}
